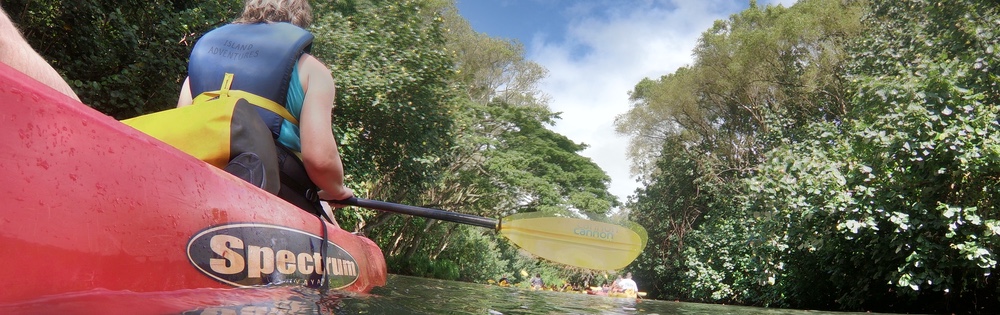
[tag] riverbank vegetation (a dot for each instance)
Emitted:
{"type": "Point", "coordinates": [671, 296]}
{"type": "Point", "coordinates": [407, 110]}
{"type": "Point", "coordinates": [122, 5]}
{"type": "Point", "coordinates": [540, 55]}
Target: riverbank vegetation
{"type": "Point", "coordinates": [835, 154]}
{"type": "Point", "coordinates": [831, 155]}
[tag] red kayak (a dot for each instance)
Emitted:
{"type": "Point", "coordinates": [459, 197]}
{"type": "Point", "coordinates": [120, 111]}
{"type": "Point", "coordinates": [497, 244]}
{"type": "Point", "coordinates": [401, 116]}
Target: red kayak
{"type": "Point", "coordinates": [92, 205]}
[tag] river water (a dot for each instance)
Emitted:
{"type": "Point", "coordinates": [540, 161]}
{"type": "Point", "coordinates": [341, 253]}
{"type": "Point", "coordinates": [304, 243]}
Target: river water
{"type": "Point", "coordinates": [411, 295]}
{"type": "Point", "coordinates": [401, 295]}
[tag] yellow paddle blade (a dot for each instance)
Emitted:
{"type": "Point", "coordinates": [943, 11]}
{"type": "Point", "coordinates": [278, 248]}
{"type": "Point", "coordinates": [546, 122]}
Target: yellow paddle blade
{"type": "Point", "coordinates": [575, 242]}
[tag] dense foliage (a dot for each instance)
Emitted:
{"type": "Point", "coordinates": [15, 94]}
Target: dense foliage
{"type": "Point", "coordinates": [502, 160]}
{"type": "Point", "coordinates": [124, 58]}
{"type": "Point", "coordinates": [394, 92]}
{"type": "Point", "coordinates": [875, 192]}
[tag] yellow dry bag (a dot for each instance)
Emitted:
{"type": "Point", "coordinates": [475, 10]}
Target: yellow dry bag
{"type": "Point", "coordinates": [217, 127]}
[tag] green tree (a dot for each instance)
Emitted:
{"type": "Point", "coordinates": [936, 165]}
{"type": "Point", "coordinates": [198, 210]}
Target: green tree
{"type": "Point", "coordinates": [504, 160]}
{"type": "Point", "coordinates": [756, 79]}
{"type": "Point", "coordinates": [394, 93]}
{"type": "Point", "coordinates": [759, 80]}
{"type": "Point", "coordinates": [896, 208]}
{"type": "Point", "coordinates": [124, 58]}
{"type": "Point", "coordinates": [927, 84]}
{"type": "Point", "coordinates": [890, 207]}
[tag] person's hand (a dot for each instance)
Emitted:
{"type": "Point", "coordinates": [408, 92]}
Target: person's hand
{"type": "Point", "coordinates": [331, 197]}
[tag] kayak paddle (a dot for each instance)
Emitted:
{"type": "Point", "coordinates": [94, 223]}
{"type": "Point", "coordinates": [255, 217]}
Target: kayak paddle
{"type": "Point", "coordinates": [571, 241]}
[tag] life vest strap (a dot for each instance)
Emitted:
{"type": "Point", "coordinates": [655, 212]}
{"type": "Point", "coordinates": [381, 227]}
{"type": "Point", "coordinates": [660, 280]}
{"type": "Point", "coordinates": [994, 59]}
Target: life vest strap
{"type": "Point", "coordinates": [254, 99]}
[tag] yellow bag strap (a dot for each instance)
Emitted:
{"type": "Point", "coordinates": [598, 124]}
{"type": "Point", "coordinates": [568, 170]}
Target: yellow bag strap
{"type": "Point", "coordinates": [254, 99]}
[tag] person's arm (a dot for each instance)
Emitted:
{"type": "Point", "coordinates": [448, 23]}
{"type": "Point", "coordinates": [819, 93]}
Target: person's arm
{"type": "Point", "coordinates": [185, 98]}
{"type": "Point", "coordinates": [18, 54]}
{"type": "Point", "coordinates": [319, 147]}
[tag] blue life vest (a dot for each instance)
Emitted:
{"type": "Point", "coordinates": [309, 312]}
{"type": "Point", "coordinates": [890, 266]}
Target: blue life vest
{"type": "Point", "coordinates": [262, 59]}
{"type": "Point", "coordinates": [261, 56]}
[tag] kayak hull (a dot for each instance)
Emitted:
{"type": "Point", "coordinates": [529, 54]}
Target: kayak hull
{"type": "Point", "coordinates": [618, 294]}
{"type": "Point", "coordinates": [90, 203]}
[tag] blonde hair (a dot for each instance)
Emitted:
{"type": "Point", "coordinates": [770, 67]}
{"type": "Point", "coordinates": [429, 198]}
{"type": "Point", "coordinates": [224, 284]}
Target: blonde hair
{"type": "Point", "coordinates": [296, 12]}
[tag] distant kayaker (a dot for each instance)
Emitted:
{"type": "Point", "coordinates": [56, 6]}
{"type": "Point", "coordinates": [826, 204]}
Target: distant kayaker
{"type": "Point", "coordinates": [258, 42]}
{"type": "Point", "coordinates": [503, 282]}
{"type": "Point", "coordinates": [616, 285]}
{"type": "Point", "coordinates": [18, 54]}
{"type": "Point", "coordinates": [537, 283]}
{"type": "Point", "coordinates": [566, 287]}
{"type": "Point", "coordinates": [627, 284]}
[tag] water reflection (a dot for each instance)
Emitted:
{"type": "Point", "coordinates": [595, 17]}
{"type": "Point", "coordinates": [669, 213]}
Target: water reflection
{"type": "Point", "coordinates": [410, 295]}
{"type": "Point", "coordinates": [401, 295]}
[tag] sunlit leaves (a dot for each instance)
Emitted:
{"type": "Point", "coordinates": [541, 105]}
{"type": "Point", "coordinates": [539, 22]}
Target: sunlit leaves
{"type": "Point", "coordinates": [394, 91]}
{"type": "Point", "coordinates": [926, 116]}
{"type": "Point", "coordinates": [892, 202]}
{"type": "Point", "coordinates": [759, 80]}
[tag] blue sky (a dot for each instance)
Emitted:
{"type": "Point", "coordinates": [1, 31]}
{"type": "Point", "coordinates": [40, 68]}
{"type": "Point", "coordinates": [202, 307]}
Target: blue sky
{"type": "Point", "coordinates": [595, 52]}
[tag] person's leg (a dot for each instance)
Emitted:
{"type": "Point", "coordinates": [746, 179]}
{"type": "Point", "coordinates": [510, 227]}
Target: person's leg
{"type": "Point", "coordinates": [17, 53]}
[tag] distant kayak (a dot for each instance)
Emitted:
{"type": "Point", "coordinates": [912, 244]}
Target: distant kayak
{"type": "Point", "coordinates": [92, 204]}
{"type": "Point", "coordinates": [626, 294]}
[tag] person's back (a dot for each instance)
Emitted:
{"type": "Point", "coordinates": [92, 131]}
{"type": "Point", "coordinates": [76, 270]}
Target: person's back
{"type": "Point", "coordinates": [271, 59]}
{"type": "Point", "coordinates": [627, 284]}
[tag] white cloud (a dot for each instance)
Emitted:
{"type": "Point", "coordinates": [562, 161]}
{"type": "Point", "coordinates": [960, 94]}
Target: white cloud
{"type": "Point", "coordinates": [604, 55]}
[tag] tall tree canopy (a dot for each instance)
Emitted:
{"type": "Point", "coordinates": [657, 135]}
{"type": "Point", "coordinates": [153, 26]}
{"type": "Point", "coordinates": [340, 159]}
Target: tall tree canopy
{"type": "Point", "coordinates": [758, 80]}
{"type": "Point", "coordinates": [395, 92]}
{"type": "Point", "coordinates": [861, 180]}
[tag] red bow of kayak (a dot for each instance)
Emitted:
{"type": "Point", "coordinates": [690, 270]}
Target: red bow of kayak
{"type": "Point", "coordinates": [90, 203]}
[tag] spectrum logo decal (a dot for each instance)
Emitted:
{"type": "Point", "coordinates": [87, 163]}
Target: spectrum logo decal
{"type": "Point", "coordinates": [250, 254]}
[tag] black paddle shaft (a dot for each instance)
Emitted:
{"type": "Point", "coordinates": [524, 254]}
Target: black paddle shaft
{"type": "Point", "coordinates": [421, 212]}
